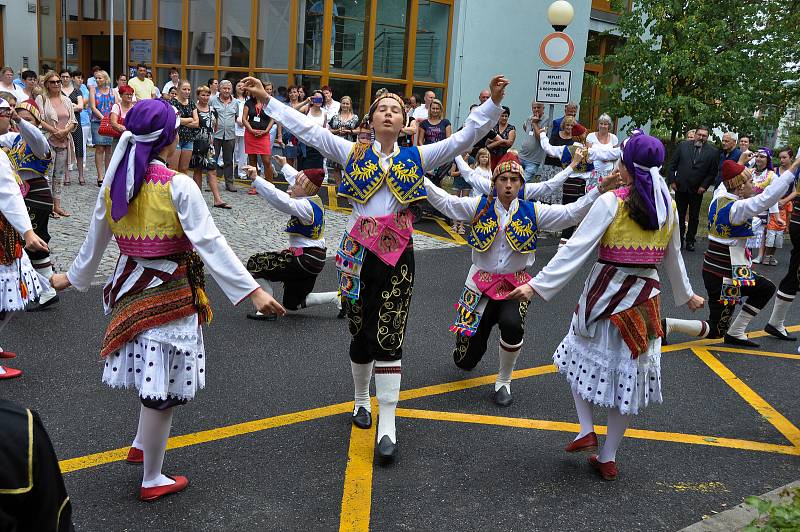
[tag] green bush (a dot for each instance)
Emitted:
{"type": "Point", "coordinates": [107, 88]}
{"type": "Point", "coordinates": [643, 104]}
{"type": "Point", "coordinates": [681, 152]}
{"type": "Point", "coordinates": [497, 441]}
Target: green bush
{"type": "Point", "coordinates": [773, 516]}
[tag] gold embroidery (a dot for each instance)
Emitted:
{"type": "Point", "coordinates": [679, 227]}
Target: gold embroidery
{"type": "Point", "coordinates": [460, 351]}
{"type": "Point", "coordinates": [354, 318]}
{"type": "Point", "coordinates": [523, 311]}
{"type": "Point", "coordinates": [408, 175]}
{"type": "Point", "coordinates": [393, 314]}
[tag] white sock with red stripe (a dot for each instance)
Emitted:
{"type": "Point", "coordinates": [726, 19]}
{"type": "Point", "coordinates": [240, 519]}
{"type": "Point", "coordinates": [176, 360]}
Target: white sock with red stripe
{"type": "Point", "coordinates": [782, 304]}
{"type": "Point", "coordinates": [362, 374]}
{"type": "Point", "coordinates": [387, 390]}
{"type": "Point", "coordinates": [507, 357]}
{"type": "Point", "coordinates": [321, 298]}
{"type": "Point", "coordinates": [697, 328]}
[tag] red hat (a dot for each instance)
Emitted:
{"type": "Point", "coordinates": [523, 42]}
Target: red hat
{"type": "Point", "coordinates": [731, 169]}
{"type": "Point", "coordinates": [578, 130]}
{"type": "Point", "coordinates": [315, 175]}
{"type": "Point", "coordinates": [508, 163]}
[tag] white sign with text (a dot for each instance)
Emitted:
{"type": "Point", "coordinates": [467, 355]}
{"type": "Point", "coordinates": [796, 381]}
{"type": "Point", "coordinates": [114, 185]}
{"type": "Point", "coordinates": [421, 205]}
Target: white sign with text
{"type": "Point", "coordinates": [552, 86]}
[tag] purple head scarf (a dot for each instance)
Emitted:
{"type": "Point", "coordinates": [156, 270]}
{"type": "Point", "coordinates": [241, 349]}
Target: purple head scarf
{"type": "Point", "coordinates": [151, 126]}
{"type": "Point", "coordinates": [643, 156]}
{"type": "Point", "coordinates": [768, 152]}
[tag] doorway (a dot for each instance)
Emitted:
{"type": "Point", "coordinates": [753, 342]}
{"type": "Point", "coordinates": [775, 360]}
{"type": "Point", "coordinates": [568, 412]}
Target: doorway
{"type": "Point", "coordinates": [96, 51]}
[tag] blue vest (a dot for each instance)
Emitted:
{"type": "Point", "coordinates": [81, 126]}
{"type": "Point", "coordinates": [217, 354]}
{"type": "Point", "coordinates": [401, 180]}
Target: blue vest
{"type": "Point", "coordinates": [23, 159]}
{"type": "Point", "coordinates": [719, 221]}
{"type": "Point", "coordinates": [316, 228]}
{"type": "Point", "coordinates": [363, 175]}
{"type": "Point", "coordinates": [521, 230]}
{"type": "Point", "coordinates": [566, 158]}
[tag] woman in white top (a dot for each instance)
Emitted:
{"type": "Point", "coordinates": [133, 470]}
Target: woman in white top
{"type": "Point", "coordinates": [239, 154]}
{"type": "Point", "coordinates": [603, 135]}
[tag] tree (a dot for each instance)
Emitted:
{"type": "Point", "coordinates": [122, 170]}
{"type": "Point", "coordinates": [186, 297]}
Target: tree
{"type": "Point", "coordinates": [713, 62]}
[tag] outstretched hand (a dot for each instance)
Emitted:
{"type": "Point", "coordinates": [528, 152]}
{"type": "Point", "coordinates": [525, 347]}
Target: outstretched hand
{"type": "Point", "coordinates": [523, 292]}
{"type": "Point", "coordinates": [255, 88]}
{"type": "Point", "coordinates": [59, 281]}
{"type": "Point", "coordinates": [266, 304]}
{"type": "Point", "coordinates": [280, 159]}
{"type": "Point", "coordinates": [497, 86]}
{"type": "Point", "coordinates": [33, 242]}
{"type": "Point", "coordinates": [695, 303]}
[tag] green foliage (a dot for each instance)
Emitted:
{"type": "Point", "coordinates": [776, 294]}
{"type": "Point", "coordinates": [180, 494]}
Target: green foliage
{"type": "Point", "coordinates": [775, 516]}
{"type": "Point", "coordinates": [712, 62]}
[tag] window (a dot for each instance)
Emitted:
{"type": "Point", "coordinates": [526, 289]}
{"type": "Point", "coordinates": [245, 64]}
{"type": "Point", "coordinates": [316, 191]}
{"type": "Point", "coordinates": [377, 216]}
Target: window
{"type": "Point", "coordinates": [272, 40]}
{"type": "Point", "coordinates": [170, 13]}
{"type": "Point", "coordinates": [92, 10]}
{"type": "Point", "coordinates": [400, 89]}
{"type": "Point", "coordinates": [234, 42]}
{"type": "Point", "coordinates": [202, 32]}
{"type": "Point", "coordinates": [72, 9]}
{"type": "Point", "coordinates": [431, 49]}
{"type": "Point", "coordinates": [309, 33]}
{"type": "Point", "coordinates": [141, 10]}
{"type": "Point", "coordinates": [390, 39]}
{"type": "Point", "coordinates": [278, 80]}
{"type": "Point", "coordinates": [48, 42]}
{"type": "Point", "coordinates": [309, 83]}
{"type": "Point", "coordinates": [353, 88]}
{"type": "Point", "coordinates": [198, 78]}
{"type": "Point", "coordinates": [349, 34]}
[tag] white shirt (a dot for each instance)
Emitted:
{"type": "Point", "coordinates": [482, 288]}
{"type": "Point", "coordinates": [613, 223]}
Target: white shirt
{"type": "Point", "coordinates": [597, 152]}
{"type": "Point", "coordinates": [168, 85]}
{"type": "Point", "coordinates": [501, 257]}
{"type": "Point", "coordinates": [421, 113]}
{"type": "Point", "coordinates": [483, 185]}
{"type": "Point", "coordinates": [11, 202]}
{"type": "Point", "coordinates": [239, 129]}
{"type": "Point", "coordinates": [299, 207]}
{"type": "Point", "coordinates": [35, 139]}
{"type": "Point", "coordinates": [603, 165]}
{"type": "Point", "coordinates": [338, 149]}
{"type": "Point", "coordinates": [197, 224]}
{"type": "Point", "coordinates": [332, 108]}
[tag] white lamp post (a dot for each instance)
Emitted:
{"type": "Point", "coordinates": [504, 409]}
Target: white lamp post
{"type": "Point", "coordinates": [560, 14]}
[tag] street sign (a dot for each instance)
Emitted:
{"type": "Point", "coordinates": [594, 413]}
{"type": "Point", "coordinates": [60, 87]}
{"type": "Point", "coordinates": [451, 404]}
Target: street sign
{"type": "Point", "coordinates": [553, 86]}
{"type": "Point", "coordinates": [557, 49]}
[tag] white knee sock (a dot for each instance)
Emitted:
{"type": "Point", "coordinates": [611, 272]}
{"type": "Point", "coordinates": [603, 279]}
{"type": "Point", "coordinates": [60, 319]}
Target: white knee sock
{"type": "Point", "coordinates": [137, 440]}
{"type": "Point", "coordinates": [321, 298]}
{"type": "Point", "coordinates": [697, 328]}
{"type": "Point", "coordinates": [617, 425]}
{"type": "Point", "coordinates": [507, 357]}
{"type": "Point", "coordinates": [387, 390]}
{"type": "Point", "coordinates": [584, 410]}
{"type": "Point", "coordinates": [48, 292]}
{"type": "Point", "coordinates": [741, 322]}
{"type": "Point", "coordinates": [156, 425]}
{"type": "Point", "coordinates": [782, 304]}
{"type": "Point", "coordinates": [362, 373]}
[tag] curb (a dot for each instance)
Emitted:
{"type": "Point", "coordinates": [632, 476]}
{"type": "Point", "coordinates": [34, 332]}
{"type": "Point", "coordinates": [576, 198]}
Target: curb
{"type": "Point", "coordinates": [737, 517]}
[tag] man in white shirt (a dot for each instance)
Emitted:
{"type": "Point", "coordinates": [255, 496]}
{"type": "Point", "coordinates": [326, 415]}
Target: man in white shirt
{"type": "Point", "coordinates": [330, 105]}
{"type": "Point", "coordinates": [421, 112]}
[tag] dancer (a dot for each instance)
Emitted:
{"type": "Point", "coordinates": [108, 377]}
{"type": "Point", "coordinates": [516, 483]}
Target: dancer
{"type": "Point", "coordinates": [611, 355]}
{"type": "Point", "coordinates": [30, 156]}
{"type": "Point", "coordinates": [19, 282]}
{"type": "Point", "coordinates": [763, 175]}
{"type": "Point", "coordinates": [155, 296]}
{"type": "Point", "coordinates": [297, 267]}
{"type": "Point", "coordinates": [376, 258]}
{"type": "Point", "coordinates": [499, 262]}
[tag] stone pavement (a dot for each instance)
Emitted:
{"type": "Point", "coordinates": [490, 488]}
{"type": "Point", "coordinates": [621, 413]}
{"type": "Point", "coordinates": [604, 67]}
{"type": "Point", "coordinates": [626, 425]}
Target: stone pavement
{"type": "Point", "coordinates": [251, 226]}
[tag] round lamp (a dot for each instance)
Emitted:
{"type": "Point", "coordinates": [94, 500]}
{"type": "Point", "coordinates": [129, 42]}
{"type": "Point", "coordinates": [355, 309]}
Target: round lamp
{"type": "Point", "coordinates": [560, 14]}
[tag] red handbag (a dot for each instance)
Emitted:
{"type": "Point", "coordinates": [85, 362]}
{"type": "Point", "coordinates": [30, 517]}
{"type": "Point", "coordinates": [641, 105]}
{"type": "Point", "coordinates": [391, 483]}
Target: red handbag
{"type": "Point", "coordinates": [105, 128]}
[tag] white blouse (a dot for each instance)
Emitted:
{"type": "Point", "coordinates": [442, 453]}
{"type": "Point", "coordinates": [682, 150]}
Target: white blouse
{"type": "Point", "coordinates": [11, 203]}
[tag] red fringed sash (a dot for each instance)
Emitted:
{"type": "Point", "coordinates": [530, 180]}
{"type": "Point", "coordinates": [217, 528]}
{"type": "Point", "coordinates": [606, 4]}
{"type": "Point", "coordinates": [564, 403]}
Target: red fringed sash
{"type": "Point", "coordinates": [639, 325]}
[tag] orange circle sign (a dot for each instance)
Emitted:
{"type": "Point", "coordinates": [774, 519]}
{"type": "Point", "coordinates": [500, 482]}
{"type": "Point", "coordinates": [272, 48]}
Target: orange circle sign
{"type": "Point", "coordinates": [557, 49]}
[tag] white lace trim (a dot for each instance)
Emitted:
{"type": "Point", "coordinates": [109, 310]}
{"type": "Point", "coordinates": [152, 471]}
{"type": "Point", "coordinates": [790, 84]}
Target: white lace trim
{"type": "Point", "coordinates": [10, 297]}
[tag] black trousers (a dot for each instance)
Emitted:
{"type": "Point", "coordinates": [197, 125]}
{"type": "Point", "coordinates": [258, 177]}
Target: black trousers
{"type": "Point", "coordinates": [573, 189]}
{"type": "Point", "coordinates": [791, 282]}
{"type": "Point", "coordinates": [688, 201]}
{"type": "Point", "coordinates": [227, 147]}
{"type": "Point", "coordinates": [508, 315]}
{"type": "Point", "coordinates": [39, 202]}
{"type": "Point", "coordinates": [720, 315]}
{"type": "Point", "coordinates": [297, 273]}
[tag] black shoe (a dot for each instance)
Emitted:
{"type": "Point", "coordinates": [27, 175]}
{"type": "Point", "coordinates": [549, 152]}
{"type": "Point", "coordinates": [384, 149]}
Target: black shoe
{"type": "Point", "coordinates": [502, 397]}
{"type": "Point", "coordinates": [690, 246]}
{"type": "Point", "coordinates": [732, 340]}
{"type": "Point", "coordinates": [261, 317]}
{"type": "Point", "coordinates": [386, 450]}
{"type": "Point", "coordinates": [342, 314]}
{"type": "Point", "coordinates": [771, 329]}
{"type": "Point", "coordinates": [41, 306]}
{"type": "Point", "coordinates": [664, 340]}
{"type": "Point", "coordinates": [362, 418]}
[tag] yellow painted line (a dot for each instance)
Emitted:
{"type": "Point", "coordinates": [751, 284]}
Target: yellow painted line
{"type": "Point", "coordinates": [561, 426]}
{"type": "Point", "coordinates": [754, 352]}
{"type": "Point", "coordinates": [357, 495]}
{"type": "Point", "coordinates": [453, 235]}
{"type": "Point", "coordinates": [766, 410]}
{"type": "Point", "coordinates": [333, 202]}
{"type": "Point", "coordinates": [456, 386]}
{"type": "Point", "coordinates": [710, 342]}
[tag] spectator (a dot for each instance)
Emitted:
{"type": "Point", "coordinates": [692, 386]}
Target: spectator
{"type": "Point", "coordinates": [570, 109]}
{"type": "Point", "coordinates": [344, 124]}
{"type": "Point", "coordinates": [483, 96]}
{"type": "Point", "coordinates": [77, 79]}
{"type": "Point", "coordinates": [256, 136]}
{"type": "Point", "coordinates": [693, 170]}
{"type": "Point", "coordinates": [92, 81]}
{"type": "Point", "coordinates": [170, 95]}
{"type": "Point", "coordinates": [310, 157]}
{"type": "Point", "coordinates": [301, 93]}
{"type": "Point", "coordinates": [330, 106]}
{"type": "Point", "coordinates": [239, 155]}
{"type": "Point", "coordinates": [227, 110]}
{"type": "Point", "coordinates": [413, 102]}
{"type": "Point", "coordinates": [531, 154]}
{"type": "Point", "coordinates": [143, 87]}
{"type": "Point", "coordinates": [690, 134]}
{"type": "Point", "coordinates": [433, 129]}
{"type": "Point", "coordinates": [744, 143]}
{"type": "Point", "coordinates": [7, 83]}
{"type": "Point", "coordinates": [421, 112]}
{"type": "Point", "coordinates": [409, 131]}
{"type": "Point", "coordinates": [288, 140]}
{"type": "Point", "coordinates": [461, 187]}
{"type": "Point", "coordinates": [69, 90]}
{"type": "Point", "coordinates": [122, 81]}
{"type": "Point", "coordinates": [763, 175]}
{"type": "Point", "coordinates": [174, 80]}
{"type": "Point", "coordinates": [120, 109]}
{"type": "Point", "coordinates": [506, 135]}
{"type": "Point", "coordinates": [282, 96]}
{"type": "Point", "coordinates": [213, 85]}
{"type": "Point", "coordinates": [155, 87]}
{"type": "Point", "coordinates": [58, 121]}
{"type": "Point", "coordinates": [31, 89]}
{"type": "Point", "coordinates": [603, 136]}
{"type": "Point", "coordinates": [101, 100]}
{"type": "Point", "coordinates": [187, 131]}
{"type": "Point", "coordinates": [728, 151]}
{"type": "Point", "coordinates": [203, 155]}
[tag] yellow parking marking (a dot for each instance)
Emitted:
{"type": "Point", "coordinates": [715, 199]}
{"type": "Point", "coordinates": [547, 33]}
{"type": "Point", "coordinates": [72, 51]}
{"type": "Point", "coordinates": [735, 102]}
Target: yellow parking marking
{"type": "Point", "coordinates": [754, 352]}
{"type": "Point", "coordinates": [449, 230]}
{"type": "Point", "coordinates": [357, 495]}
{"type": "Point", "coordinates": [562, 426]}
{"type": "Point", "coordinates": [456, 386]}
{"type": "Point", "coordinates": [766, 410]}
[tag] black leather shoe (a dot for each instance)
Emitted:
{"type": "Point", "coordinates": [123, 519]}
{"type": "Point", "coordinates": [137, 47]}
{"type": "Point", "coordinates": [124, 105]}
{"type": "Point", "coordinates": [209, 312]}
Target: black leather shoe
{"type": "Point", "coordinates": [771, 329]}
{"type": "Point", "coordinates": [342, 314]}
{"type": "Point", "coordinates": [690, 246]}
{"type": "Point", "coordinates": [362, 418]}
{"type": "Point", "coordinates": [731, 340]}
{"type": "Point", "coordinates": [502, 397]}
{"type": "Point", "coordinates": [41, 306]}
{"type": "Point", "coordinates": [386, 449]}
{"type": "Point", "coordinates": [261, 317]}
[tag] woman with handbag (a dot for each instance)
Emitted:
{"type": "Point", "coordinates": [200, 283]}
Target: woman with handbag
{"type": "Point", "coordinates": [119, 110]}
{"type": "Point", "coordinates": [203, 156]}
{"type": "Point", "coordinates": [101, 99]}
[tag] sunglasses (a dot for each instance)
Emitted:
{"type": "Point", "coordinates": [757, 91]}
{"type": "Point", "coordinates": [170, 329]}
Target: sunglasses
{"type": "Point", "coordinates": [55, 82]}
{"type": "Point", "coordinates": [5, 112]}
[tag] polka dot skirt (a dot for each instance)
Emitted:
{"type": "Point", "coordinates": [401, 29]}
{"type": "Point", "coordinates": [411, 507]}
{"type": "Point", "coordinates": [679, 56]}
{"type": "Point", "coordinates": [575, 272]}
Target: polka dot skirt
{"type": "Point", "coordinates": [11, 298]}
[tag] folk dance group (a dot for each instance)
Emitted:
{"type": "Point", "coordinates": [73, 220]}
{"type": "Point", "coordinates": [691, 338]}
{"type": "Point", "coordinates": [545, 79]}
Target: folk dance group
{"type": "Point", "coordinates": [165, 234]}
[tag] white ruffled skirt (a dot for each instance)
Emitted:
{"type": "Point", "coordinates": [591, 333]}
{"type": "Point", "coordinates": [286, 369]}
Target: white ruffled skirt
{"type": "Point", "coordinates": [165, 361]}
{"type": "Point", "coordinates": [9, 284]}
{"type": "Point", "coordinates": [602, 371]}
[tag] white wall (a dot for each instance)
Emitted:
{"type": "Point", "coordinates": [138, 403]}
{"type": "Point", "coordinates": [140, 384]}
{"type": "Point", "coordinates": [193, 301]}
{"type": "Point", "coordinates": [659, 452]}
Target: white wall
{"type": "Point", "coordinates": [19, 34]}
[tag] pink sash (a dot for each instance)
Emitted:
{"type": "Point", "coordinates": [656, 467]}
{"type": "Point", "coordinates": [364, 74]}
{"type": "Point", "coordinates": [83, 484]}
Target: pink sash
{"type": "Point", "coordinates": [385, 236]}
{"type": "Point", "coordinates": [498, 285]}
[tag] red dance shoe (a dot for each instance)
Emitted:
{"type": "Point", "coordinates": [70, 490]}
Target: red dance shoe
{"type": "Point", "coordinates": [7, 354]}
{"type": "Point", "coordinates": [607, 470]}
{"type": "Point", "coordinates": [152, 494]}
{"type": "Point", "coordinates": [10, 373]}
{"type": "Point", "coordinates": [135, 456]}
{"type": "Point", "coordinates": [586, 443]}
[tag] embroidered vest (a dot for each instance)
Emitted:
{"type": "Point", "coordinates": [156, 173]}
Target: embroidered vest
{"type": "Point", "coordinates": [363, 175]}
{"type": "Point", "coordinates": [626, 242]}
{"type": "Point", "coordinates": [24, 160]}
{"type": "Point", "coordinates": [762, 180]}
{"type": "Point", "coordinates": [719, 221]}
{"type": "Point", "coordinates": [316, 228]}
{"type": "Point", "coordinates": [521, 230]}
{"type": "Point", "coordinates": [566, 158]}
{"type": "Point", "coordinates": [151, 228]}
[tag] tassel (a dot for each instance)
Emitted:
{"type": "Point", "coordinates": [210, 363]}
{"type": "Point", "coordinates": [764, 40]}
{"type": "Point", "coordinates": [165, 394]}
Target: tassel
{"type": "Point", "coordinates": [23, 289]}
{"type": "Point", "coordinates": [203, 306]}
{"type": "Point", "coordinates": [18, 250]}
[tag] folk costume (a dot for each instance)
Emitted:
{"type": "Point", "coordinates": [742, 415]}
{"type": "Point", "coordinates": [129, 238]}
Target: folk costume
{"type": "Point", "coordinates": [503, 245]}
{"type": "Point", "coordinates": [375, 260]}
{"type": "Point", "coordinates": [30, 157]}
{"type": "Point", "coordinates": [761, 180]}
{"type": "Point", "coordinates": [155, 296]}
{"type": "Point", "coordinates": [533, 191]}
{"type": "Point", "coordinates": [611, 355]}
{"type": "Point", "coordinates": [298, 266]}
{"type": "Point", "coordinates": [19, 282]}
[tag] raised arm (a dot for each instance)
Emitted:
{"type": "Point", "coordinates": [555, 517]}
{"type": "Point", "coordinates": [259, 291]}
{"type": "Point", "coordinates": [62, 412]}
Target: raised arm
{"type": "Point", "coordinates": [549, 149]}
{"type": "Point", "coordinates": [744, 209]}
{"type": "Point", "coordinates": [35, 139]}
{"type": "Point", "coordinates": [281, 201]}
{"type": "Point", "coordinates": [604, 152]}
{"type": "Point", "coordinates": [558, 217]}
{"type": "Point", "coordinates": [83, 268]}
{"type": "Point", "coordinates": [478, 182]}
{"type": "Point", "coordinates": [546, 188]}
{"type": "Point", "coordinates": [462, 209]}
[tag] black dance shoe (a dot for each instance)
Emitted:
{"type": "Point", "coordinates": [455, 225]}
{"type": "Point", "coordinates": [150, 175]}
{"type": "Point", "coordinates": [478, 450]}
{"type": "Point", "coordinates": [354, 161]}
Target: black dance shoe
{"type": "Point", "coordinates": [386, 450]}
{"type": "Point", "coordinates": [664, 340]}
{"type": "Point", "coordinates": [342, 314]}
{"type": "Point", "coordinates": [690, 246]}
{"type": "Point", "coordinates": [362, 418]}
{"type": "Point", "coordinates": [502, 397]}
{"type": "Point", "coordinates": [771, 329]}
{"type": "Point", "coordinates": [732, 340]}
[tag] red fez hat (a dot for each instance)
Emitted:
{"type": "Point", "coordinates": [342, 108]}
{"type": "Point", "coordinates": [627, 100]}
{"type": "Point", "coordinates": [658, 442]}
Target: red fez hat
{"type": "Point", "coordinates": [731, 169]}
{"type": "Point", "coordinates": [315, 175]}
{"type": "Point", "coordinates": [508, 163]}
{"type": "Point", "coordinates": [578, 130]}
